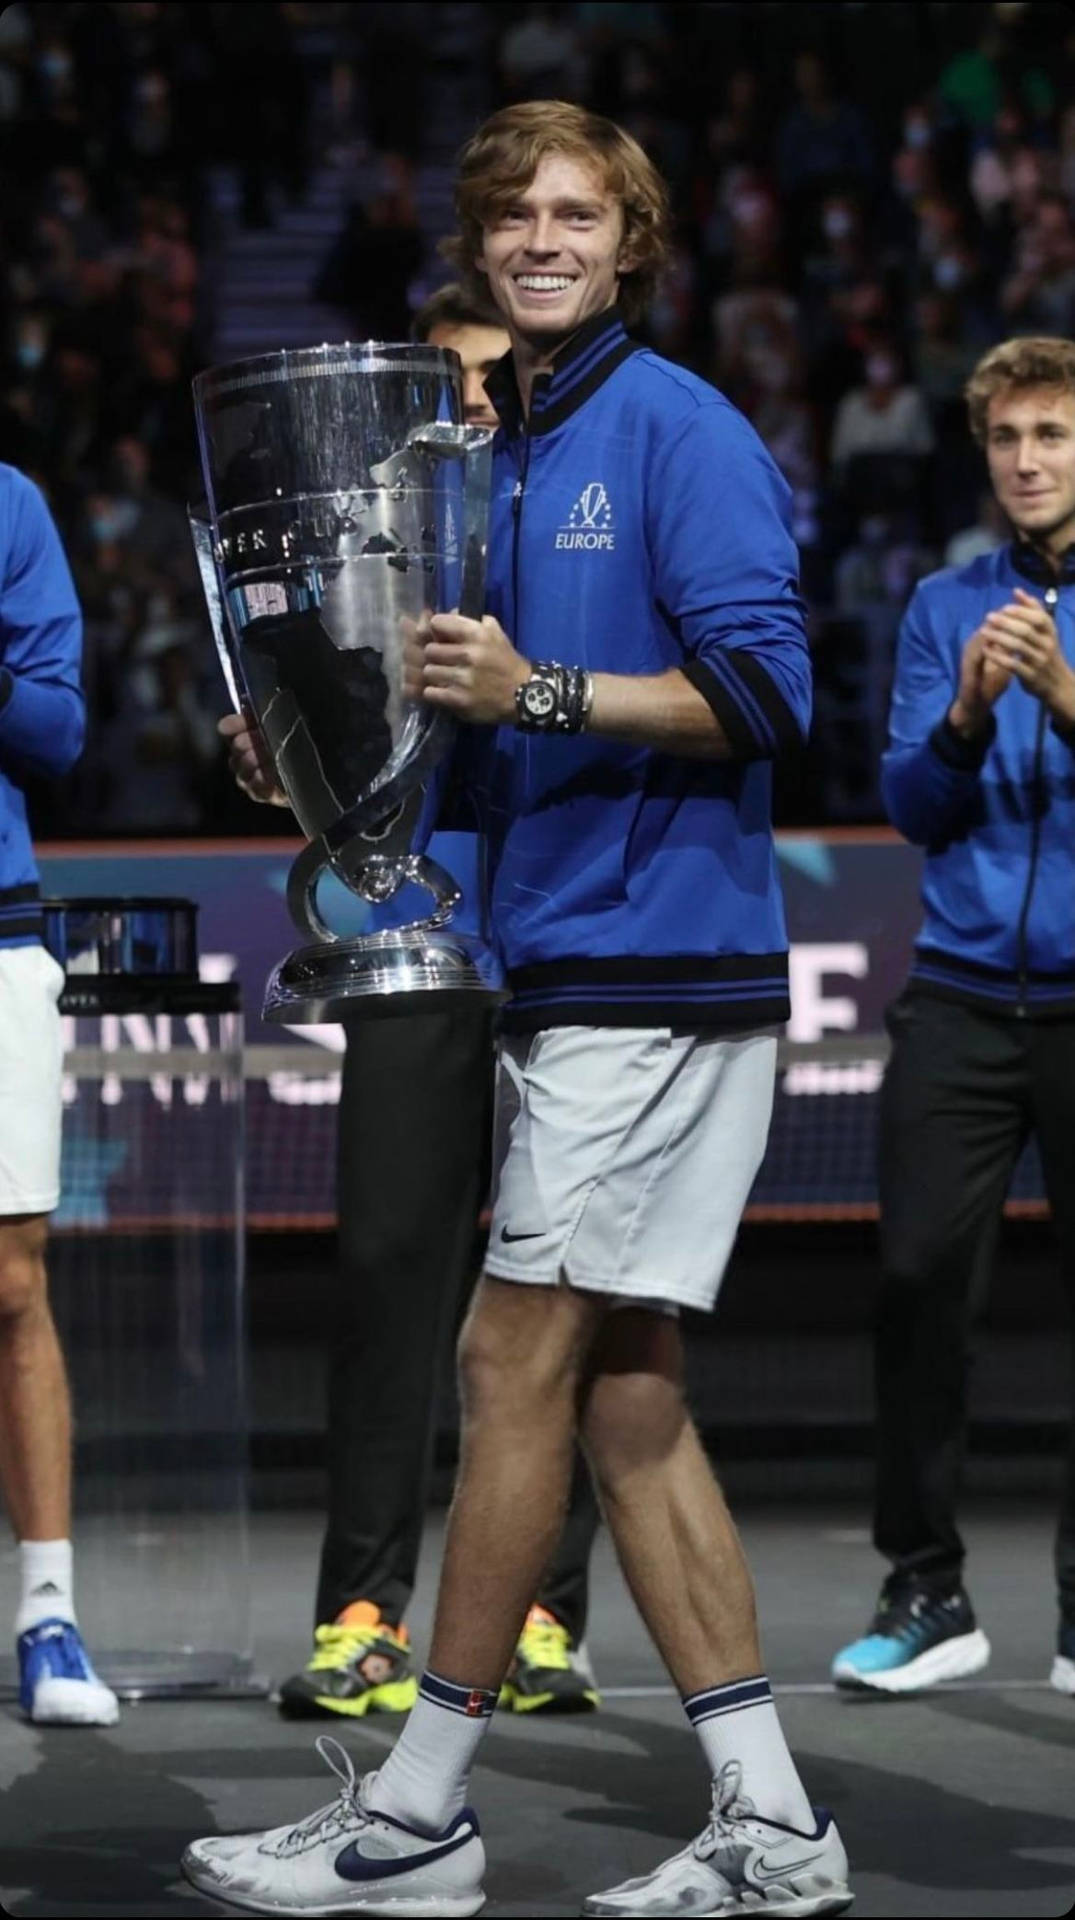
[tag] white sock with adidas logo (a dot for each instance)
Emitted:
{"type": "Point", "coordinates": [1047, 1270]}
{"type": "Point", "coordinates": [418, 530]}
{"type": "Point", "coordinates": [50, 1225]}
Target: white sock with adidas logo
{"type": "Point", "coordinates": [46, 1583]}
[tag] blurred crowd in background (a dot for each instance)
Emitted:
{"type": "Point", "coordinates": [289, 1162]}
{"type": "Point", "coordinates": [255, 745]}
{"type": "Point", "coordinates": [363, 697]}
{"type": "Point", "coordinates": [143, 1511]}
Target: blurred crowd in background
{"type": "Point", "coordinates": [867, 197]}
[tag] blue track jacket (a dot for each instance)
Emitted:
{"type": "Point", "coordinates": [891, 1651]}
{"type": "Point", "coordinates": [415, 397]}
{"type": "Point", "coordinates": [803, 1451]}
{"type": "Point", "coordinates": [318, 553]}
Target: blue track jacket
{"type": "Point", "coordinates": [638, 524]}
{"type": "Point", "coordinates": [42, 711]}
{"type": "Point", "coordinates": [997, 819]}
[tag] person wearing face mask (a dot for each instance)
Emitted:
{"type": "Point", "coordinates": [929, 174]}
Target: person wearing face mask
{"type": "Point", "coordinates": [1040, 291]}
{"type": "Point", "coordinates": [838, 222]}
{"type": "Point", "coordinates": [413, 1145]}
{"type": "Point", "coordinates": [21, 433]}
{"type": "Point", "coordinates": [42, 721]}
{"type": "Point", "coordinates": [882, 416]}
{"type": "Point", "coordinates": [980, 773]}
{"type": "Point", "coordinates": [30, 343]}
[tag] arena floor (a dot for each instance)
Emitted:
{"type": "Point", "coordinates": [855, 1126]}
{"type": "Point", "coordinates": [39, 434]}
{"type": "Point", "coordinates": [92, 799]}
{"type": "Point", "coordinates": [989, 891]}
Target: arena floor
{"type": "Point", "coordinates": [961, 1802]}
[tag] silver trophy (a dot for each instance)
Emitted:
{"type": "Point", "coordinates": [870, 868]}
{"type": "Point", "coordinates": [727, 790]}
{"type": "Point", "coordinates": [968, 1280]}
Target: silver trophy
{"type": "Point", "coordinates": [346, 500]}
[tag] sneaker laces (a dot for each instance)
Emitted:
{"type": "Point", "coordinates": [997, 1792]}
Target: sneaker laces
{"type": "Point", "coordinates": [66, 1656]}
{"type": "Point", "coordinates": [905, 1608]}
{"type": "Point", "coordinates": [545, 1642]}
{"type": "Point", "coordinates": [729, 1806]}
{"type": "Point", "coordinates": [334, 1645]}
{"type": "Point", "coordinates": [340, 1816]}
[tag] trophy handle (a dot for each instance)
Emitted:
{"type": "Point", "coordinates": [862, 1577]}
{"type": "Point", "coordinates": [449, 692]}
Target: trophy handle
{"type": "Point", "coordinates": [377, 879]}
{"type": "Point", "coordinates": [381, 877]}
{"type": "Point", "coordinates": [302, 881]}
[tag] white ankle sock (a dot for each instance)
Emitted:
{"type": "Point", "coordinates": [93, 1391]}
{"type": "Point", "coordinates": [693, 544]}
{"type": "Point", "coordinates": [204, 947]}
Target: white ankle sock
{"type": "Point", "coordinates": [45, 1583]}
{"type": "Point", "coordinates": [738, 1721]}
{"type": "Point", "coordinates": [424, 1780]}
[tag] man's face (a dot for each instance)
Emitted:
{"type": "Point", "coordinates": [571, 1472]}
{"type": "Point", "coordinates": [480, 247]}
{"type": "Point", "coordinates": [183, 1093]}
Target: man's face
{"type": "Point", "coordinates": [1030, 447]}
{"type": "Point", "coordinates": [555, 253]}
{"type": "Point", "coordinates": [479, 348]}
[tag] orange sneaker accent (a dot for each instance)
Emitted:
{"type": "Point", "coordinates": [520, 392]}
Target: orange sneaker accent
{"type": "Point", "coordinates": [541, 1617]}
{"type": "Point", "coordinates": [365, 1613]}
{"type": "Point", "coordinates": [360, 1613]}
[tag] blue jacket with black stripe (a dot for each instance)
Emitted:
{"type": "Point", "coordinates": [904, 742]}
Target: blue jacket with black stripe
{"type": "Point", "coordinates": [639, 524]}
{"type": "Point", "coordinates": [42, 710]}
{"type": "Point", "coordinates": [996, 817]}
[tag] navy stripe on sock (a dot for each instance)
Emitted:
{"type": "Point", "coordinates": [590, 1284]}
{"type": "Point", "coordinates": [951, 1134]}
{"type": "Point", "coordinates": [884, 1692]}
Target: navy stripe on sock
{"type": "Point", "coordinates": [712, 1702]}
{"type": "Point", "coordinates": [474, 1703]}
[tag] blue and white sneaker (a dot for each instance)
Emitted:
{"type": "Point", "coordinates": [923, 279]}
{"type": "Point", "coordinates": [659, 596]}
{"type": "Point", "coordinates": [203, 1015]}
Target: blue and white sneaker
{"type": "Point", "coordinates": [739, 1864]}
{"type": "Point", "coordinates": [1062, 1676]}
{"type": "Point", "coordinates": [57, 1684]}
{"type": "Point", "coordinates": [916, 1638]}
{"type": "Point", "coordinates": [345, 1858]}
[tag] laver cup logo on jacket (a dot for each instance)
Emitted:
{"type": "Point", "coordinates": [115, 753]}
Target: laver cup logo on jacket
{"type": "Point", "coordinates": [589, 524]}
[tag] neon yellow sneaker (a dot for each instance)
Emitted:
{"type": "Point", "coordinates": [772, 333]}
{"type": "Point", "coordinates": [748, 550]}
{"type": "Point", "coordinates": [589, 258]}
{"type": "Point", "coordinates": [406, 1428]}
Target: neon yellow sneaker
{"type": "Point", "coordinates": [360, 1664]}
{"type": "Point", "coordinates": [548, 1674]}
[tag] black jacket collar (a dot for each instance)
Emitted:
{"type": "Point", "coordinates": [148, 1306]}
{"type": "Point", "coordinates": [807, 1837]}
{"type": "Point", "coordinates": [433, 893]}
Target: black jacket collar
{"type": "Point", "coordinates": [1033, 566]}
{"type": "Point", "coordinates": [581, 366]}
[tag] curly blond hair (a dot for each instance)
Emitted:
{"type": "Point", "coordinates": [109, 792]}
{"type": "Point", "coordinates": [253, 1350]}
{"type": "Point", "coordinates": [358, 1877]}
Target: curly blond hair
{"type": "Point", "coordinates": [501, 159]}
{"type": "Point", "coordinates": [1044, 360]}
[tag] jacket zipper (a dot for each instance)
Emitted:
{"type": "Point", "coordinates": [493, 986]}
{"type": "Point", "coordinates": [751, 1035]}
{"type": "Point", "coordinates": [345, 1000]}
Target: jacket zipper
{"type": "Point", "coordinates": [516, 519]}
{"type": "Point", "coordinates": [1051, 597]}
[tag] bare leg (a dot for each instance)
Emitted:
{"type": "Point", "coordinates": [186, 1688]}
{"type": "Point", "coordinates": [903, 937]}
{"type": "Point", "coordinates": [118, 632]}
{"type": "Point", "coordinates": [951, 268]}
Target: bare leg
{"type": "Point", "coordinates": [521, 1354]}
{"type": "Point", "coordinates": [35, 1412]}
{"type": "Point", "coordinates": [675, 1538]}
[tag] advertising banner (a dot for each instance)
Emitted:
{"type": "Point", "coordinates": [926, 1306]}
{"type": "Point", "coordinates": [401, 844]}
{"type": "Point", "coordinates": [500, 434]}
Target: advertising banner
{"type": "Point", "coordinates": [852, 909]}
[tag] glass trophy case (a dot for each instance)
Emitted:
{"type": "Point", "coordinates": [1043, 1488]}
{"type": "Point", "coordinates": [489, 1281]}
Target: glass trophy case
{"type": "Point", "coordinates": [146, 1281]}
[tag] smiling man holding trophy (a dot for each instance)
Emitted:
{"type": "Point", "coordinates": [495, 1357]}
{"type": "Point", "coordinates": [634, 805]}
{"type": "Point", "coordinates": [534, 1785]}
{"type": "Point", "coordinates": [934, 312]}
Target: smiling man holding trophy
{"type": "Point", "coordinates": [641, 660]}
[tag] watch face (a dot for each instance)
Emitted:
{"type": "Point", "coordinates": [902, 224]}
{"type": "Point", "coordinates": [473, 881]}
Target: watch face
{"type": "Point", "coordinates": [539, 699]}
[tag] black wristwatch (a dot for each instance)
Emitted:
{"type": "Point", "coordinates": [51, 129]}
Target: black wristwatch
{"type": "Point", "coordinates": [555, 699]}
{"type": "Point", "coordinates": [537, 701]}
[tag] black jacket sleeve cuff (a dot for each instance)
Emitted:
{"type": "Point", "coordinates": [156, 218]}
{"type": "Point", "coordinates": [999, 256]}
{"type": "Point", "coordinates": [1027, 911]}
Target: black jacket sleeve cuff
{"type": "Point", "coordinates": [966, 756]}
{"type": "Point", "coordinates": [749, 708]}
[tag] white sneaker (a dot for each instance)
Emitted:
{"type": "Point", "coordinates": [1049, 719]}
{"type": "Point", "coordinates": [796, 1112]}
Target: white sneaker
{"type": "Point", "coordinates": [344, 1859]}
{"type": "Point", "coordinates": [1062, 1676]}
{"type": "Point", "coordinates": [740, 1864]}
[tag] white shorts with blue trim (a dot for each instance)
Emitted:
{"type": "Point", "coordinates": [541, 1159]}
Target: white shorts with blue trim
{"type": "Point", "coordinates": [31, 1080]}
{"type": "Point", "coordinates": [624, 1156]}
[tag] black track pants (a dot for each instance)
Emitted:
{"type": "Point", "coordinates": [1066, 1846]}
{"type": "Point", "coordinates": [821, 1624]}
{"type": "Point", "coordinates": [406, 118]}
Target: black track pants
{"type": "Point", "coordinates": [962, 1093]}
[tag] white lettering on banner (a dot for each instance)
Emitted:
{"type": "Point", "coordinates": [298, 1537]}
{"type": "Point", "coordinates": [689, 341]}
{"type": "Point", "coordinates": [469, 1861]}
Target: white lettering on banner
{"type": "Point", "coordinates": [816, 1076]}
{"type": "Point", "coordinates": [157, 1035]}
{"type": "Point", "coordinates": [812, 1011]}
{"type": "Point", "coordinates": [145, 1035]}
{"type": "Point", "coordinates": [214, 968]}
{"type": "Point", "coordinates": [296, 1090]}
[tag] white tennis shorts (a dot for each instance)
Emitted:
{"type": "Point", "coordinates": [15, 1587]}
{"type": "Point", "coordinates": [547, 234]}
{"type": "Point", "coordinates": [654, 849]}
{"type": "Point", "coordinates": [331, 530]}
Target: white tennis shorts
{"type": "Point", "coordinates": [623, 1158]}
{"type": "Point", "coordinates": [31, 1080]}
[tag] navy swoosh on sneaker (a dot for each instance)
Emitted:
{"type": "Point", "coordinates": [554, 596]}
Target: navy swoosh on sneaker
{"type": "Point", "coordinates": [353, 1865]}
{"type": "Point", "coordinates": [763, 1869]}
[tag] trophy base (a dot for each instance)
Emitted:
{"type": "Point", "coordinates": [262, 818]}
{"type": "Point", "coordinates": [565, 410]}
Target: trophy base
{"type": "Point", "coordinates": [377, 975]}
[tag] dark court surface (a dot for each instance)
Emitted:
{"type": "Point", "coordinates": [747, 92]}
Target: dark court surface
{"type": "Point", "coordinates": [959, 1802]}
